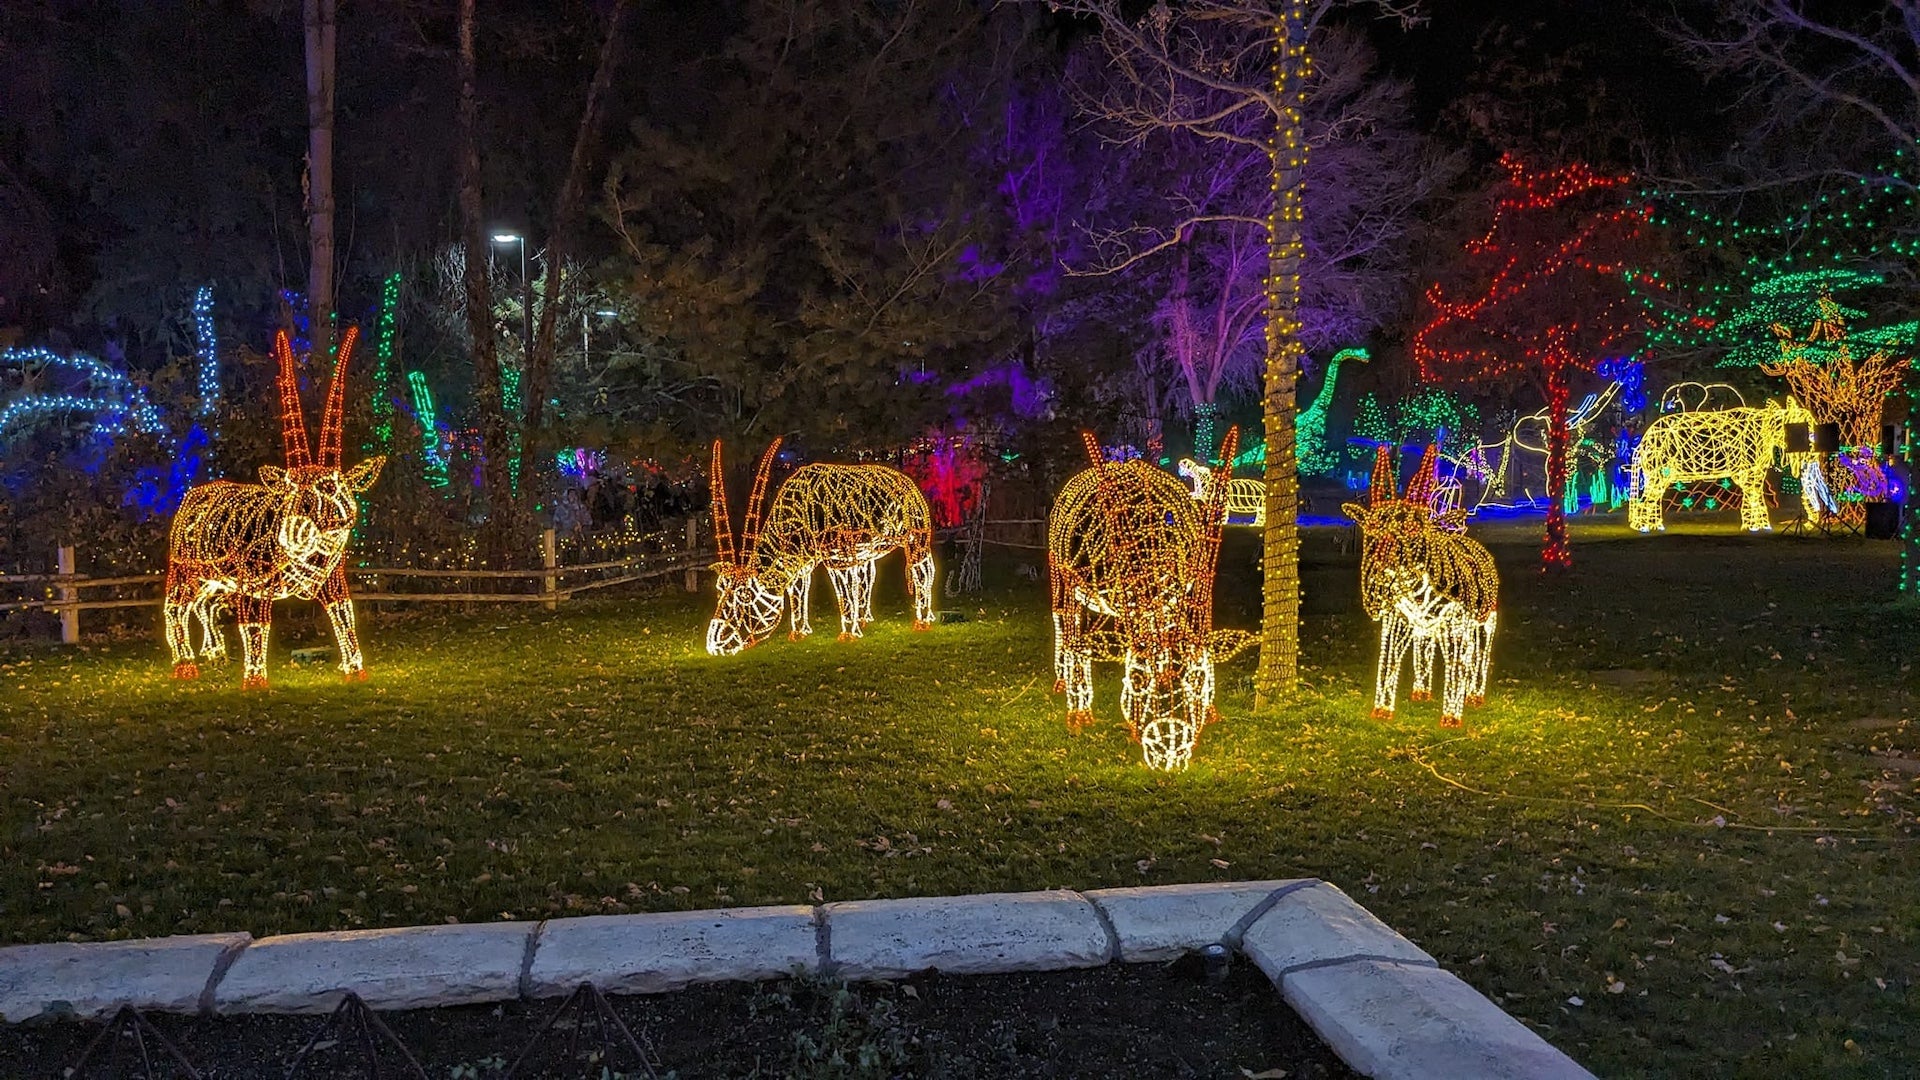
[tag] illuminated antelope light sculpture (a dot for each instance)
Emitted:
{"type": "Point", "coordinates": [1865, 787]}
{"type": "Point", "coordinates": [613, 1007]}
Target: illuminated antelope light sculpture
{"type": "Point", "coordinates": [251, 544]}
{"type": "Point", "coordinates": [1132, 555]}
{"type": "Point", "coordinates": [843, 517]}
{"type": "Point", "coordinates": [1431, 587]}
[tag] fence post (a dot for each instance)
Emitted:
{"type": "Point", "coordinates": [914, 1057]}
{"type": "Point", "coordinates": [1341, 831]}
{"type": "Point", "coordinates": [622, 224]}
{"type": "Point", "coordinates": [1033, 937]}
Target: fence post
{"type": "Point", "coordinates": [69, 616]}
{"type": "Point", "coordinates": [693, 545]}
{"type": "Point", "coordinates": [550, 555]}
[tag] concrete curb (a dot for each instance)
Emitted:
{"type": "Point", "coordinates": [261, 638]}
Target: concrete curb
{"type": "Point", "coordinates": [1380, 1002]}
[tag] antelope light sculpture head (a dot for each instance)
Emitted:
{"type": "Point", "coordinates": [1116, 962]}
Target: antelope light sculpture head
{"type": "Point", "coordinates": [749, 607]}
{"type": "Point", "coordinates": [843, 517]}
{"type": "Point", "coordinates": [1132, 556]}
{"type": "Point", "coordinates": [251, 544]}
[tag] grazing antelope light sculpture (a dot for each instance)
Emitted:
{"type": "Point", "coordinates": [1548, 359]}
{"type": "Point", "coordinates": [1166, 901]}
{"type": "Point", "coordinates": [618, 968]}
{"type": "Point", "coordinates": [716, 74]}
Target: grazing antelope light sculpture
{"type": "Point", "coordinates": [1431, 587]}
{"type": "Point", "coordinates": [843, 517]}
{"type": "Point", "coordinates": [251, 544]}
{"type": "Point", "coordinates": [1132, 556]}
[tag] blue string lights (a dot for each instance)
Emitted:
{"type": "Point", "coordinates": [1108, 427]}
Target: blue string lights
{"type": "Point", "coordinates": [206, 348]}
{"type": "Point", "coordinates": [116, 403]}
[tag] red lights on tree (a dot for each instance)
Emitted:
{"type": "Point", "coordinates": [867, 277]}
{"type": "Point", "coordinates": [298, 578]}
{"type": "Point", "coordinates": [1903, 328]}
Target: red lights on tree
{"type": "Point", "coordinates": [1544, 293]}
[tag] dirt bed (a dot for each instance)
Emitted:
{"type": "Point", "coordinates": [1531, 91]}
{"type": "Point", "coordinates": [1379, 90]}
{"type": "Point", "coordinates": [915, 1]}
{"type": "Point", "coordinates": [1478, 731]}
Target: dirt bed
{"type": "Point", "coordinates": [1118, 1021]}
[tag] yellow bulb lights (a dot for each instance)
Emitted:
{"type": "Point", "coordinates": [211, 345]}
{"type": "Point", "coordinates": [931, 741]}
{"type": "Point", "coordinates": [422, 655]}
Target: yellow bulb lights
{"type": "Point", "coordinates": [251, 544]}
{"type": "Point", "coordinates": [1685, 447]}
{"type": "Point", "coordinates": [1432, 588]}
{"type": "Point", "coordinates": [1131, 558]}
{"type": "Point", "coordinates": [843, 517]}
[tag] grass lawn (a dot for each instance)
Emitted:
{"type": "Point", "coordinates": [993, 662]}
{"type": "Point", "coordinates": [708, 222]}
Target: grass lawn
{"type": "Point", "coordinates": [1680, 839]}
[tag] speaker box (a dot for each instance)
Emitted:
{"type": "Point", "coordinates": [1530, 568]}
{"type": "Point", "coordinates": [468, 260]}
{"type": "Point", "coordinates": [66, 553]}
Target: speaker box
{"type": "Point", "coordinates": [1883, 520]}
{"type": "Point", "coordinates": [1826, 438]}
{"type": "Point", "coordinates": [1798, 441]}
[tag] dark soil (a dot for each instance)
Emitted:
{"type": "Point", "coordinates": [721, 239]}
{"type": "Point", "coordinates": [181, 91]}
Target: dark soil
{"type": "Point", "coordinates": [1111, 1022]}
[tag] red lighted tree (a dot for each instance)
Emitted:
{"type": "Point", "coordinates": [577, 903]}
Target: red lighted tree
{"type": "Point", "coordinates": [1543, 293]}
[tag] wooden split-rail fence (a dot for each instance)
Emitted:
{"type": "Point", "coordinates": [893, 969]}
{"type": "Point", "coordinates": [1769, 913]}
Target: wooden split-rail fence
{"type": "Point", "coordinates": [554, 582]}
{"type": "Point", "coordinates": [66, 591]}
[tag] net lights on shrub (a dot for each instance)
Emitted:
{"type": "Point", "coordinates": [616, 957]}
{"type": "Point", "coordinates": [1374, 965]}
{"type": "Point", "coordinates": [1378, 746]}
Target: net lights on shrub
{"type": "Point", "coordinates": [116, 402]}
{"type": "Point", "coordinates": [251, 544]}
{"type": "Point", "coordinates": [843, 517]}
{"type": "Point", "coordinates": [1131, 556]}
{"type": "Point", "coordinates": [1432, 588]}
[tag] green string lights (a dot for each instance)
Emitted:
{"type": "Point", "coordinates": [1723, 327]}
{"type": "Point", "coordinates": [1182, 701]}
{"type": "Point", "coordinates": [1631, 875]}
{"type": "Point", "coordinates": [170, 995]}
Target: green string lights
{"type": "Point", "coordinates": [433, 450]}
{"type": "Point", "coordinates": [1811, 250]}
{"type": "Point", "coordinates": [386, 331]}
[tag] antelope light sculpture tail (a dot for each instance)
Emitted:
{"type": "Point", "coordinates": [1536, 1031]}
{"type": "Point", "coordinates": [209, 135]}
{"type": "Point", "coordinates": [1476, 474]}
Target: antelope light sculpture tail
{"type": "Point", "coordinates": [843, 517]}
{"type": "Point", "coordinates": [1430, 586]}
{"type": "Point", "coordinates": [1132, 556]}
{"type": "Point", "coordinates": [251, 544]}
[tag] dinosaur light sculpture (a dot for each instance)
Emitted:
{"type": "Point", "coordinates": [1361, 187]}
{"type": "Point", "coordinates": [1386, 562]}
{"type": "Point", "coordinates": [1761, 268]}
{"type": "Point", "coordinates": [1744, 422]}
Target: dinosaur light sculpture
{"type": "Point", "coordinates": [1311, 453]}
{"type": "Point", "coordinates": [1131, 556]}
{"type": "Point", "coordinates": [252, 544]}
{"type": "Point", "coordinates": [843, 517]}
{"type": "Point", "coordinates": [1431, 587]}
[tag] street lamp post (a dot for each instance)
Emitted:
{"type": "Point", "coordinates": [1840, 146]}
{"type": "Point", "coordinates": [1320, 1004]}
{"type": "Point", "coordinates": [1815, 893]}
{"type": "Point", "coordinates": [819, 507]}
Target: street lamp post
{"type": "Point", "coordinates": [526, 299]}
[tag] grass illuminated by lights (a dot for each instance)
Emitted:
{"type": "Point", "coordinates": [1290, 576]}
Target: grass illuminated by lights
{"type": "Point", "coordinates": [1680, 840]}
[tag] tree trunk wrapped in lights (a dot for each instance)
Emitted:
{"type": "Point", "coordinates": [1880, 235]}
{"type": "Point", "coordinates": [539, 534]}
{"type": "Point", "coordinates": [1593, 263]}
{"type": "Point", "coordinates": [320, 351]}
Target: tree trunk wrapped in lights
{"type": "Point", "coordinates": [251, 544]}
{"type": "Point", "coordinates": [1432, 588]}
{"type": "Point", "coordinates": [843, 517]}
{"type": "Point", "coordinates": [1131, 558]}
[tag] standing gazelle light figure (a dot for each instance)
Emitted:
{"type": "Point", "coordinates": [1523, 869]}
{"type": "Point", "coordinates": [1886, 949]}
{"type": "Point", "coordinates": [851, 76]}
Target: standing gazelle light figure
{"type": "Point", "coordinates": [252, 544]}
{"type": "Point", "coordinates": [843, 517]}
{"type": "Point", "coordinates": [1431, 588]}
{"type": "Point", "coordinates": [1132, 557]}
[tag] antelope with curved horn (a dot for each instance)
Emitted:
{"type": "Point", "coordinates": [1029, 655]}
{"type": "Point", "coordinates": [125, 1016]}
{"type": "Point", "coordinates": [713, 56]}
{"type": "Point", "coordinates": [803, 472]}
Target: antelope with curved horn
{"type": "Point", "coordinates": [1430, 587]}
{"type": "Point", "coordinates": [252, 544]}
{"type": "Point", "coordinates": [1132, 556]}
{"type": "Point", "coordinates": [843, 517]}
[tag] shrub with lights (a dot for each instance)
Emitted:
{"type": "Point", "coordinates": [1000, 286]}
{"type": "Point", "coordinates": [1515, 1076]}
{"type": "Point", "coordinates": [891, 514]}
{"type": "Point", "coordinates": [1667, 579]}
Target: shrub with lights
{"type": "Point", "coordinates": [843, 517]}
{"type": "Point", "coordinates": [247, 545]}
{"type": "Point", "coordinates": [1131, 556]}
